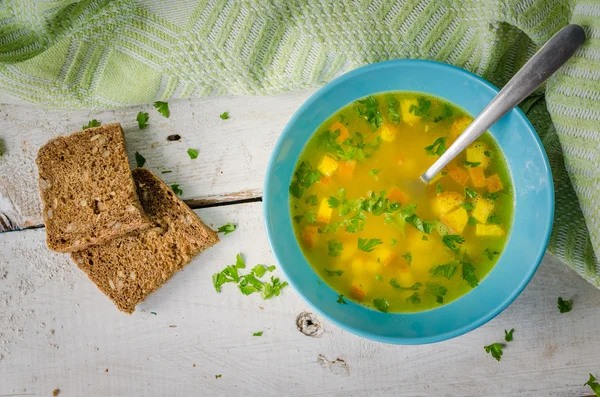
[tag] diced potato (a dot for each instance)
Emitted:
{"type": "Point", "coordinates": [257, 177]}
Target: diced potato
{"type": "Point", "coordinates": [396, 194]}
{"type": "Point", "coordinates": [456, 220]}
{"type": "Point", "coordinates": [328, 166]}
{"type": "Point", "coordinates": [477, 176]}
{"type": "Point", "coordinates": [476, 154]}
{"type": "Point", "coordinates": [457, 173]}
{"type": "Point", "coordinates": [348, 252]}
{"type": "Point", "coordinates": [309, 236]}
{"type": "Point", "coordinates": [344, 134]}
{"type": "Point", "coordinates": [372, 267]}
{"type": "Point", "coordinates": [447, 201]}
{"type": "Point", "coordinates": [346, 169]}
{"type": "Point", "coordinates": [324, 212]}
{"type": "Point", "coordinates": [483, 209]}
{"type": "Point", "coordinates": [494, 184]}
{"type": "Point", "coordinates": [357, 291]}
{"type": "Point", "coordinates": [386, 256]}
{"type": "Point", "coordinates": [459, 125]}
{"type": "Point", "coordinates": [388, 133]}
{"type": "Point", "coordinates": [489, 230]}
{"type": "Point", "coordinates": [405, 278]}
{"type": "Point", "coordinates": [407, 116]}
{"type": "Point", "coordinates": [358, 267]}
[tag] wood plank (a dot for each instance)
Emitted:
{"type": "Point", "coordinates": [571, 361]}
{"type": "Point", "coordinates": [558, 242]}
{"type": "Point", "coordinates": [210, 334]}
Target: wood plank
{"type": "Point", "coordinates": [230, 167]}
{"type": "Point", "coordinates": [58, 331]}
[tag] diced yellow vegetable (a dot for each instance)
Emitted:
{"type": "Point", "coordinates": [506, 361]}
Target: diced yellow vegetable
{"type": "Point", "coordinates": [372, 267]}
{"type": "Point", "coordinates": [344, 134]}
{"type": "Point", "coordinates": [396, 194]}
{"type": "Point", "coordinates": [483, 209]}
{"type": "Point", "coordinates": [407, 116]}
{"type": "Point", "coordinates": [388, 133]}
{"type": "Point", "coordinates": [457, 173]}
{"type": "Point", "coordinates": [309, 236]}
{"type": "Point", "coordinates": [447, 201]}
{"type": "Point", "coordinates": [494, 184]}
{"type": "Point", "coordinates": [357, 291]}
{"type": "Point", "coordinates": [405, 278]}
{"type": "Point", "coordinates": [489, 230]}
{"type": "Point", "coordinates": [386, 256]}
{"type": "Point", "coordinates": [477, 176]}
{"type": "Point", "coordinates": [459, 125]}
{"type": "Point", "coordinates": [346, 169]}
{"type": "Point", "coordinates": [324, 212]}
{"type": "Point", "coordinates": [358, 267]}
{"type": "Point", "coordinates": [328, 166]}
{"type": "Point", "coordinates": [456, 220]}
{"type": "Point", "coordinates": [476, 154]}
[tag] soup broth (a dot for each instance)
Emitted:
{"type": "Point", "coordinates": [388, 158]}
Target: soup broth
{"type": "Point", "coordinates": [377, 234]}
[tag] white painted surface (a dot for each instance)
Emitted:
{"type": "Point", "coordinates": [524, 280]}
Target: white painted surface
{"type": "Point", "coordinates": [551, 354]}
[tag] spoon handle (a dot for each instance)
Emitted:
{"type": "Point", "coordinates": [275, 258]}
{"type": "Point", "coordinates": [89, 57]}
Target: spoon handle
{"type": "Point", "coordinates": [542, 64]}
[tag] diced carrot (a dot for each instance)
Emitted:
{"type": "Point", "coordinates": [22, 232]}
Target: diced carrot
{"type": "Point", "coordinates": [344, 134]}
{"type": "Point", "coordinates": [457, 173]}
{"type": "Point", "coordinates": [346, 169]}
{"type": "Point", "coordinates": [396, 194]}
{"type": "Point", "coordinates": [477, 176]}
{"type": "Point", "coordinates": [357, 291]}
{"type": "Point", "coordinates": [309, 235]}
{"type": "Point", "coordinates": [494, 184]}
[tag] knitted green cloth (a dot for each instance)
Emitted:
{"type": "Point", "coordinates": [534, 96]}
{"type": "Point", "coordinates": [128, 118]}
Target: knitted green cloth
{"type": "Point", "coordinates": [81, 54]}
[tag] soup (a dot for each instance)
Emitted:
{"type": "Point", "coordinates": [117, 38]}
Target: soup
{"type": "Point", "coordinates": [378, 235]}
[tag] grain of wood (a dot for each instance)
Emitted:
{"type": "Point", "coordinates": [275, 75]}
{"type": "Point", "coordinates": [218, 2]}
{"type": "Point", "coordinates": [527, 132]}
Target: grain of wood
{"type": "Point", "coordinates": [551, 354]}
{"type": "Point", "coordinates": [232, 160]}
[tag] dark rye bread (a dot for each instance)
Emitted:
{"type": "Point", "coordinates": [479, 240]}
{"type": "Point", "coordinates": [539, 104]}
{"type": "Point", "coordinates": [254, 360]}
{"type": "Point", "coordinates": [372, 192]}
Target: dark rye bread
{"type": "Point", "coordinates": [129, 268]}
{"type": "Point", "coordinates": [87, 191]}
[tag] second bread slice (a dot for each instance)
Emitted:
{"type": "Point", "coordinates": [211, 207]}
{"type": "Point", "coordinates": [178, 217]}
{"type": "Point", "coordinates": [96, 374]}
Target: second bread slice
{"type": "Point", "coordinates": [130, 267]}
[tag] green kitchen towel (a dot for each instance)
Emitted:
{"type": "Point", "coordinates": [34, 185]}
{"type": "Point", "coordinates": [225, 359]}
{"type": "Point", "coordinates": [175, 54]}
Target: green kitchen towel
{"type": "Point", "coordinates": [104, 54]}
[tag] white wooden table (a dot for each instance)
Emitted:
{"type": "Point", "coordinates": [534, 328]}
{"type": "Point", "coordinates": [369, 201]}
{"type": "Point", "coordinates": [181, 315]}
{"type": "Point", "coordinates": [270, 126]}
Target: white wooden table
{"type": "Point", "coordinates": [57, 331]}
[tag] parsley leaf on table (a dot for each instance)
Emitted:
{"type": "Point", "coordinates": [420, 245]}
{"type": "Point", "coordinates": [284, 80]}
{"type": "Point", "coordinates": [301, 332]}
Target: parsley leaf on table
{"type": "Point", "coordinates": [273, 288]}
{"type": "Point", "coordinates": [224, 115]}
{"type": "Point", "coordinates": [193, 153]}
{"type": "Point", "coordinates": [495, 349]}
{"type": "Point", "coordinates": [508, 335]}
{"type": "Point", "coordinates": [595, 386]}
{"type": "Point", "coordinates": [259, 333]}
{"type": "Point", "coordinates": [563, 305]}
{"type": "Point", "coordinates": [142, 119]}
{"type": "Point", "coordinates": [139, 160]}
{"type": "Point", "coordinates": [90, 124]}
{"type": "Point", "coordinates": [381, 304]}
{"type": "Point", "coordinates": [176, 189]}
{"type": "Point", "coordinates": [163, 108]}
{"type": "Point", "coordinates": [227, 228]}
{"type": "Point", "coordinates": [368, 245]}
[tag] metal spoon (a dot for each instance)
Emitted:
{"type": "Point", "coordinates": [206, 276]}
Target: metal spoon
{"type": "Point", "coordinates": [558, 50]}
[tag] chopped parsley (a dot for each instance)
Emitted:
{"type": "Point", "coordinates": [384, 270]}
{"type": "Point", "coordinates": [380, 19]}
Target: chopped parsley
{"type": "Point", "coordinates": [468, 206]}
{"type": "Point", "coordinates": [378, 277]}
{"type": "Point", "coordinates": [472, 221]}
{"type": "Point", "coordinates": [439, 188]}
{"type": "Point", "coordinates": [446, 114]}
{"type": "Point", "coordinates": [379, 204]}
{"type": "Point", "coordinates": [139, 160]}
{"type": "Point", "coordinates": [415, 287]}
{"type": "Point", "coordinates": [375, 172]}
{"type": "Point", "coordinates": [163, 108]}
{"type": "Point", "coordinates": [166, 172]}
{"type": "Point", "coordinates": [393, 114]}
{"type": "Point", "coordinates": [381, 304]}
{"type": "Point", "coordinates": [490, 254]}
{"type": "Point", "coordinates": [334, 272]}
{"type": "Point", "coordinates": [224, 115]}
{"type": "Point", "coordinates": [472, 164]}
{"type": "Point", "coordinates": [308, 217]}
{"type": "Point", "coordinates": [341, 300]}
{"type": "Point", "coordinates": [368, 109]}
{"type": "Point", "coordinates": [470, 193]}
{"type": "Point", "coordinates": [491, 196]}
{"type": "Point", "coordinates": [142, 119]}
{"type": "Point", "coordinates": [450, 241]}
{"type": "Point", "coordinates": [493, 220]}
{"type": "Point", "coordinates": [193, 153]}
{"type": "Point", "coordinates": [424, 238]}
{"type": "Point", "coordinates": [438, 147]}
{"type": "Point", "coordinates": [422, 226]}
{"type": "Point", "coordinates": [176, 189]}
{"type": "Point", "coordinates": [260, 270]}
{"type": "Point", "coordinates": [563, 305]}
{"type": "Point", "coordinates": [487, 153]}
{"type": "Point", "coordinates": [305, 176]}
{"type": "Point", "coordinates": [437, 290]}
{"type": "Point", "coordinates": [335, 248]}
{"type": "Point", "coordinates": [495, 349]}
{"type": "Point", "coordinates": [90, 124]}
{"type": "Point", "coordinates": [312, 200]}
{"type": "Point", "coordinates": [595, 386]}
{"type": "Point", "coordinates": [415, 298]}
{"type": "Point", "coordinates": [344, 206]}
{"type": "Point", "coordinates": [227, 228]}
{"type": "Point", "coordinates": [218, 376]}
{"type": "Point", "coordinates": [368, 245]}
{"type": "Point", "coordinates": [408, 257]}
{"type": "Point", "coordinates": [508, 335]}
{"type": "Point", "coordinates": [259, 333]}
{"type": "Point", "coordinates": [394, 241]}
{"type": "Point", "coordinates": [422, 107]}
{"type": "Point", "coordinates": [446, 270]}
{"type": "Point", "coordinates": [273, 288]}
{"type": "Point", "coordinates": [468, 274]}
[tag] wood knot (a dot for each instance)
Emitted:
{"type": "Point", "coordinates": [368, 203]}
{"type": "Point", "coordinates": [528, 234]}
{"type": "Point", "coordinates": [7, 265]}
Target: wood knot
{"type": "Point", "coordinates": [309, 325]}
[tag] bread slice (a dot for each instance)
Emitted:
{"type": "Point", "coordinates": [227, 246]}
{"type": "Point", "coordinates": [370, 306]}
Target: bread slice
{"type": "Point", "coordinates": [87, 191]}
{"type": "Point", "coordinates": [130, 267]}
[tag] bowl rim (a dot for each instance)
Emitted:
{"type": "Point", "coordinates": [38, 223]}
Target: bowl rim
{"type": "Point", "coordinates": [271, 234]}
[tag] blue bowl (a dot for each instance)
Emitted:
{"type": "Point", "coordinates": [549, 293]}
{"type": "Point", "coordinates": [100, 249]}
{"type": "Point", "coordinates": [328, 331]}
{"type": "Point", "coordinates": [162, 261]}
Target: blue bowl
{"type": "Point", "coordinates": [533, 214]}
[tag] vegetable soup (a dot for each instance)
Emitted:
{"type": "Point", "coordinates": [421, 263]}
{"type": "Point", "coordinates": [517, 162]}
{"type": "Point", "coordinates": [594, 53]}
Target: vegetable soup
{"type": "Point", "coordinates": [377, 234]}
